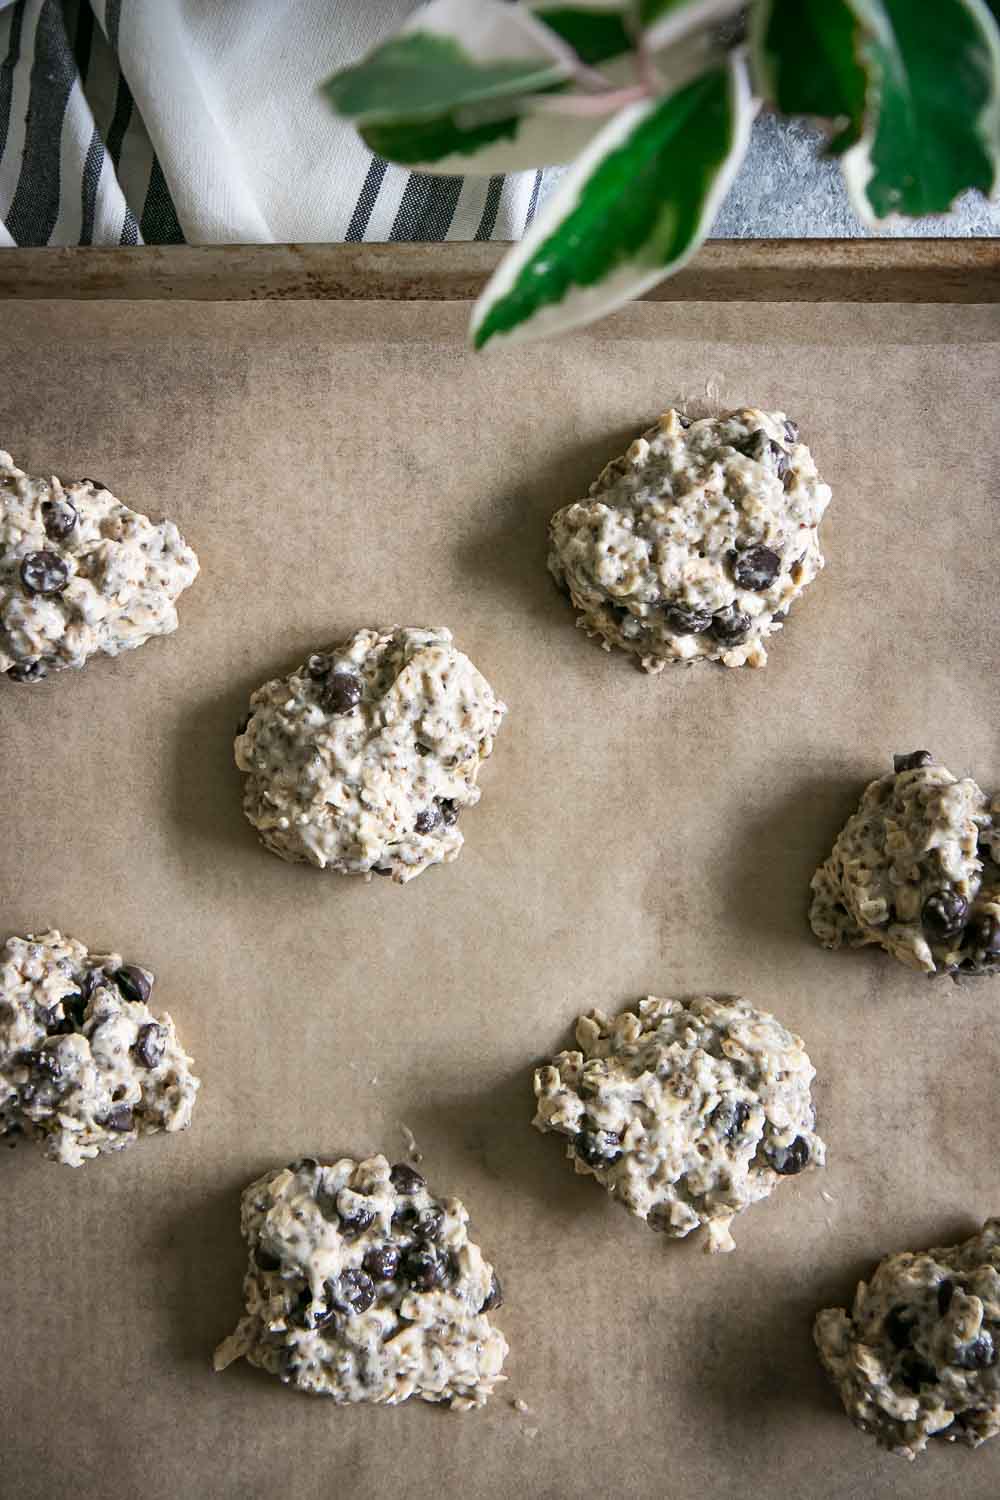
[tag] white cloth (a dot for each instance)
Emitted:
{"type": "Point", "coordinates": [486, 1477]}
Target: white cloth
{"type": "Point", "coordinates": [203, 120]}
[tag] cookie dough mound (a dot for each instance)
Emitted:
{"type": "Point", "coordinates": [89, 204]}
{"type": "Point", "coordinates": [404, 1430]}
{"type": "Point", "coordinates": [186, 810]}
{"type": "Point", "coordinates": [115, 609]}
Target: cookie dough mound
{"type": "Point", "coordinates": [917, 870]}
{"type": "Point", "coordinates": [85, 1065]}
{"type": "Point", "coordinates": [364, 1287]}
{"type": "Point", "coordinates": [697, 541]}
{"type": "Point", "coordinates": [685, 1111]}
{"type": "Point", "coordinates": [364, 757]}
{"type": "Point", "coordinates": [917, 1357]}
{"type": "Point", "coordinates": [81, 574]}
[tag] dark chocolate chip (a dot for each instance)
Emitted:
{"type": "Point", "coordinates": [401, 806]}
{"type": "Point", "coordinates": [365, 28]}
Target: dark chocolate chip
{"type": "Point", "coordinates": [424, 1269]}
{"type": "Point", "coordinates": [404, 1218]}
{"type": "Point", "coordinates": [945, 1292]}
{"type": "Point", "coordinates": [265, 1261]}
{"type": "Point", "coordinates": [301, 1311]}
{"type": "Point", "coordinates": [684, 421]}
{"type": "Point", "coordinates": [355, 1221]}
{"type": "Point", "coordinates": [597, 1147]}
{"type": "Point", "coordinates": [44, 1063]}
{"type": "Point", "coordinates": [788, 1160]}
{"type": "Point", "coordinates": [983, 932]}
{"type": "Point", "coordinates": [133, 984]}
{"type": "Point", "coordinates": [978, 1355]}
{"type": "Point", "coordinates": [381, 870]}
{"type": "Point", "coordinates": [304, 1164]}
{"type": "Point", "coordinates": [90, 981]}
{"type": "Point", "coordinates": [791, 430]}
{"type": "Point", "coordinates": [494, 1297]}
{"type": "Point", "coordinates": [944, 914]}
{"type": "Point", "coordinates": [27, 671]}
{"type": "Point", "coordinates": [427, 819]}
{"type": "Point", "coordinates": [730, 626]}
{"type": "Point", "coordinates": [119, 1118]}
{"type": "Point", "coordinates": [74, 1007]}
{"type": "Point", "coordinates": [913, 761]}
{"type": "Point", "coordinates": [318, 666]}
{"type": "Point", "coordinates": [150, 1045]}
{"type": "Point", "coordinates": [764, 450]}
{"type": "Point", "coordinates": [95, 484]}
{"type": "Point", "coordinates": [730, 1117]}
{"type": "Point", "coordinates": [899, 1323]}
{"type": "Point", "coordinates": [404, 1179]}
{"type": "Point", "coordinates": [449, 811]}
{"type": "Point", "coordinates": [916, 1372]}
{"type": "Point", "coordinates": [429, 1223]}
{"type": "Point", "coordinates": [382, 1262]}
{"type": "Point", "coordinates": [59, 518]}
{"type": "Point", "coordinates": [756, 568]}
{"type": "Point", "coordinates": [683, 621]}
{"type": "Point", "coordinates": [44, 573]}
{"type": "Point", "coordinates": [354, 1291]}
{"type": "Point", "coordinates": [342, 693]}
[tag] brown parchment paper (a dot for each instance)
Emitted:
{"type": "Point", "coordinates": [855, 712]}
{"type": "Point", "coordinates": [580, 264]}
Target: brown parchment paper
{"type": "Point", "coordinates": [342, 465]}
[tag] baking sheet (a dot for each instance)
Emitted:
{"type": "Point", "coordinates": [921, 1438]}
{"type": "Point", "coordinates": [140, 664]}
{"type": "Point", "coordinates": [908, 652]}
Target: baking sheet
{"type": "Point", "coordinates": [337, 465]}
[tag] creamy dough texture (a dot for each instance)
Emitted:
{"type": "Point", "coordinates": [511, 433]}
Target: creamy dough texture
{"type": "Point", "coordinates": [363, 759]}
{"type": "Point", "coordinates": [685, 1111]}
{"type": "Point", "coordinates": [85, 1065]}
{"type": "Point", "coordinates": [697, 541]}
{"type": "Point", "coordinates": [917, 1357]}
{"type": "Point", "coordinates": [365, 1287]}
{"type": "Point", "coordinates": [917, 870]}
{"type": "Point", "coordinates": [81, 574]}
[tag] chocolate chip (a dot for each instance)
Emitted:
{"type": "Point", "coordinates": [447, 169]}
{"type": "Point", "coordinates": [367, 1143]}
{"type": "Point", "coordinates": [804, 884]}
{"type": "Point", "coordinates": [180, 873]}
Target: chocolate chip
{"type": "Point", "coordinates": [355, 1221]}
{"type": "Point", "coordinates": [318, 666]}
{"type": "Point", "coordinates": [756, 568]}
{"type": "Point", "coordinates": [44, 573]}
{"type": "Point", "coordinates": [788, 1160]}
{"type": "Point", "coordinates": [449, 811]}
{"type": "Point", "coordinates": [74, 1007]}
{"type": "Point", "coordinates": [424, 1269]}
{"type": "Point", "coordinates": [119, 1118]}
{"type": "Point", "coordinates": [133, 984]}
{"type": "Point", "coordinates": [913, 761]}
{"type": "Point", "coordinates": [95, 484]}
{"type": "Point", "coordinates": [730, 1117]}
{"type": "Point", "coordinates": [428, 819]}
{"type": "Point", "coordinates": [342, 693]}
{"type": "Point", "coordinates": [404, 1218]}
{"type": "Point", "coordinates": [91, 980]}
{"type": "Point", "coordinates": [597, 1147]}
{"type": "Point", "coordinates": [59, 518]}
{"type": "Point", "coordinates": [27, 671]}
{"type": "Point", "coordinates": [983, 932]}
{"type": "Point", "coordinates": [404, 1179]}
{"type": "Point", "coordinates": [916, 1372]}
{"type": "Point", "coordinates": [683, 621]}
{"type": "Point", "coordinates": [791, 430]}
{"type": "Point", "coordinates": [150, 1045]}
{"type": "Point", "coordinates": [944, 913]}
{"type": "Point", "coordinates": [730, 626]}
{"type": "Point", "coordinates": [494, 1297]}
{"type": "Point", "coordinates": [684, 421]}
{"type": "Point", "coordinates": [382, 1262]}
{"type": "Point", "coordinates": [381, 869]}
{"type": "Point", "coordinates": [899, 1323]}
{"type": "Point", "coordinates": [429, 1223]}
{"type": "Point", "coordinates": [301, 1311]}
{"type": "Point", "coordinates": [764, 450]}
{"type": "Point", "coordinates": [265, 1261]}
{"type": "Point", "coordinates": [978, 1355]}
{"type": "Point", "coordinates": [304, 1164]}
{"type": "Point", "coordinates": [44, 1063]}
{"type": "Point", "coordinates": [353, 1290]}
{"type": "Point", "coordinates": [945, 1292]}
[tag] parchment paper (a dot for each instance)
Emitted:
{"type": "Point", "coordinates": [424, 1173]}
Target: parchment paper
{"type": "Point", "coordinates": [342, 465]}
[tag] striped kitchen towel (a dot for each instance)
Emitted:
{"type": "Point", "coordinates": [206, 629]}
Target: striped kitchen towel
{"type": "Point", "coordinates": [125, 122]}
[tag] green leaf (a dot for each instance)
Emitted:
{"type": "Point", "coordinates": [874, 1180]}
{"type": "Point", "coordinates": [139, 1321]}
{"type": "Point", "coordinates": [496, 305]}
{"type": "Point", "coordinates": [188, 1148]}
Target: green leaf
{"type": "Point", "coordinates": [422, 72]}
{"type": "Point", "coordinates": [807, 60]}
{"type": "Point", "coordinates": [450, 144]}
{"type": "Point", "coordinates": [633, 208]}
{"type": "Point", "coordinates": [935, 95]}
{"type": "Point", "coordinates": [594, 32]}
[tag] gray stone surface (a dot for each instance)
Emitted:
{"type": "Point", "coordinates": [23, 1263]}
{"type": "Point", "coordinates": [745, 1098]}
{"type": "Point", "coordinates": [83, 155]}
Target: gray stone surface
{"type": "Point", "coordinates": [786, 190]}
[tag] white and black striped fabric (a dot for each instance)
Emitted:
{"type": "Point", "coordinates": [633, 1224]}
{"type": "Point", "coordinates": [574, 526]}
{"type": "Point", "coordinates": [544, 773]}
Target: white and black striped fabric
{"type": "Point", "coordinates": [125, 122]}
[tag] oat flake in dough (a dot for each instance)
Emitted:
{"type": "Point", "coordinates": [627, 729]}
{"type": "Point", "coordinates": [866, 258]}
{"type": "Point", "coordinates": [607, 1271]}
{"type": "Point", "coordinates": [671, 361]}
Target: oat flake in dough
{"type": "Point", "coordinates": [697, 541]}
{"type": "Point", "coordinates": [363, 759]}
{"type": "Point", "coordinates": [362, 1286]}
{"type": "Point", "coordinates": [81, 574]}
{"type": "Point", "coordinates": [85, 1065]}
{"type": "Point", "coordinates": [685, 1111]}
{"type": "Point", "coordinates": [916, 870]}
{"type": "Point", "coordinates": [918, 1356]}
